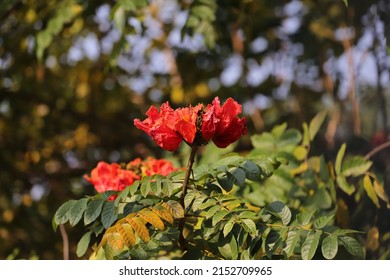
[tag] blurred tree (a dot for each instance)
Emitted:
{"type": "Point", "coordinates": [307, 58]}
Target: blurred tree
{"type": "Point", "coordinates": [75, 73]}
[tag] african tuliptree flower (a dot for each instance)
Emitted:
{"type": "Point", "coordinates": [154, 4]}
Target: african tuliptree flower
{"type": "Point", "coordinates": [195, 125]}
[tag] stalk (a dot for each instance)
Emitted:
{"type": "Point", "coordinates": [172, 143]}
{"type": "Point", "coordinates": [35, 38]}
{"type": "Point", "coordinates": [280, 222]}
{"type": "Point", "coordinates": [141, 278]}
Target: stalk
{"type": "Point", "coordinates": [182, 241]}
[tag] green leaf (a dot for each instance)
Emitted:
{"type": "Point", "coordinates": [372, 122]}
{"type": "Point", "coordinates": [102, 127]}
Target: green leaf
{"type": "Point", "coordinates": [128, 5]}
{"type": "Point", "coordinates": [345, 2]}
{"type": "Point", "coordinates": [323, 221]}
{"type": "Point", "coordinates": [330, 247]}
{"type": "Point", "coordinates": [248, 215]}
{"type": "Point", "coordinates": [122, 196]}
{"type": "Point", "coordinates": [93, 210]}
{"type": "Point", "coordinates": [203, 12]}
{"type": "Point", "coordinates": [310, 244]}
{"type": "Point", "coordinates": [352, 245]}
{"type": "Point", "coordinates": [145, 186]}
{"type": "Point", "coordinates": [278, 130]}
{"type": "Point", "coordinates": [355, 166]}
{"type": "Point", "coordinates": [345, 231]}
{"type": "Point", "coordinates": [229, 226]}
{"type": "Point", "coordinates": [134, 187]}
{"type": "Point", "coordinates": [208, 203]}
{"type": "Point", "coordinates": [264, 142]}
{"type": "Point", "coordinates": [369, 188]}
{"type": "Point", "coordinates": [189, 198]}
{"type": "Point", "coordinates": [339, 158]}
{"type": "Point", "coordinates": [211, 212]}
{"type": "Point", "coordinates": [228, 247]}
{"type": "Point", "coordinates": [280, 210]}
{"type": "Point", "coordinates": [291, 137]}
{"type": "Point", "coordinates": [251, 226]}
{"type": "Point", "coordinates": [197, 202]}
{"type": "Point", "coordinates": [218, 217]}
{"type": "Point", "coordinates": [62, 214]}
{"type": "Point", "coordinates": [77, 211]}
{"type": "Point", "coordinates": [306, 135]}
{"type": "Point", "coordinates": [82, 245]}
{"type": "Point", "coordinates": [109, 214]}
{"type": "Point", "coordinates": [316, 123]}
{"type": "Point", "coordinates": [304, 218]}
{"type": "Point", "coordinates": [344, 185]}
{"type": "Point", "coordinates": [291, 241]}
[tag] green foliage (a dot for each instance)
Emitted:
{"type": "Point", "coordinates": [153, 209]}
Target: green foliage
{"type": "Point", "coordinates": [220, 220]}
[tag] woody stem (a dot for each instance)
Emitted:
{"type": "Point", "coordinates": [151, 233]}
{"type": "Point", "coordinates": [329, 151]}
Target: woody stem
{"type": "Point", "coordinates": [191, 160]}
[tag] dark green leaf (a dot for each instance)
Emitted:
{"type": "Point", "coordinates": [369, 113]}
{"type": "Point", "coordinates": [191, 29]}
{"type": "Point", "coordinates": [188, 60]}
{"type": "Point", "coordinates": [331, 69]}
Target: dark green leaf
{"type": "Point", "coordinates": [62, 214]}
{"type": "Point", "coordinates": [252, 171]}
{"type": "Point", "coordinates": [77, 211]}
{"type": "Point", "coordinates": [310, 244]}
{"type": "Point", "coordinates": [93, 210]}
{"type": "Point", "coordinates": [330, 247]}
{"type": "Point", "coordinates": [228, 247]}
{"type": "Point", "coordinates": [279, 209]}
{"type": "Point", "coordinates": [239, 176]}
{"type": "Point", "coordinates": [109, 214]}
{"type": "Point", "coordinates": [82, 245]}
{"type": "Point", "coordinates": [352, 245]}
{"type": "Point", "coordinates": [226, 183]}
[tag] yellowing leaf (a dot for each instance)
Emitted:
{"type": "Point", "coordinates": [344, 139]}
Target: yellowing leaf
{"type": "Point", "coordinates": [140, 228]}
{"type": "Point", "coordinates": [300, 152]}
{"type": "Point", "coordinates": [339, 159]}
{"type": "Point", "coordinates": [115, 241]}
{"type": "Point", "coordinates": [368, 187]}
{"type": "Point", "coordinates": [163, 213]}
{"type": "Point", "coordinates": [380, 192]}
{"type": "Point", "coordinates": [152, 218]}
{"type": "Point", "coordinates": [300, 169]}
{"type": "Point", "coordinates": [127, 234]}
{"type": "Point", "coordinates": [316, 123]}
{"type": "Point", "coordinates": [174, 208]}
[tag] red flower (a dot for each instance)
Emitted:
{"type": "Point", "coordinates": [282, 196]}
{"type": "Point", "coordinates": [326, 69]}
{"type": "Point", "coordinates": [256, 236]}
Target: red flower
{"type": "Point", "coordinates": [151, 166]}
{"type": "Point", "coordinates": [185, 122]}
{"type": "Point", "coordinates": [217, 123]}
{"type": "Point", "coordinates": [160, 127]}
{"type": "Point", "coordinates": [110, 177]}
{"type": "Point", "coordinates": [221, 124]}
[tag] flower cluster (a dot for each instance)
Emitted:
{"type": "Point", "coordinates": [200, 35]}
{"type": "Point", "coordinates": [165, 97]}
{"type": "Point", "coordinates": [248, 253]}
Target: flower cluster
{"type": "Point", "coordinates": [111, 177]}
{"type": "Point", "coordinates": [195, 125]}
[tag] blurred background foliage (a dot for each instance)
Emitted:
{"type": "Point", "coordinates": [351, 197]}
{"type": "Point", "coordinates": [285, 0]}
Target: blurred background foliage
{"type": "Point", "coordinates": [75, 73]}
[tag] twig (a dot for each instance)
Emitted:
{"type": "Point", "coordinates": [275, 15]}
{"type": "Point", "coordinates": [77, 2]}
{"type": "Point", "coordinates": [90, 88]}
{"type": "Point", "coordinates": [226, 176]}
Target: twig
{"type": "Point", "coordinates": [191, 160]}
{"type": "Point", "coordinates": [65, 240]}
{"type": "Point", "coordinates": [377, 149]}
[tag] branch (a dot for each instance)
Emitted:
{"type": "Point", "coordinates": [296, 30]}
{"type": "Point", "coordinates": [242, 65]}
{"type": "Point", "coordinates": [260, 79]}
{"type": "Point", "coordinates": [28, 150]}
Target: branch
{"type": "Point", "coordinates": [65, 240]}
{"type": "Point", "coordinates": [377, 150]}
